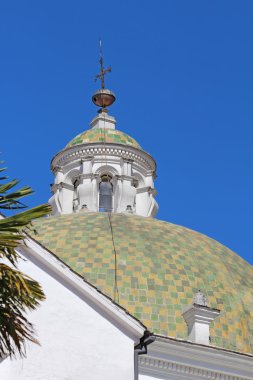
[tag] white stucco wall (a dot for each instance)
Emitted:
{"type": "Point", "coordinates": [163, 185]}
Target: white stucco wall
{"type": "Point", "coordinates": [77, 342]}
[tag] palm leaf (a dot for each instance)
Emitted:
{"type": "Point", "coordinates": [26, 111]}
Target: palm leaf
{"type": "Point", "coordinates": [18, 292]}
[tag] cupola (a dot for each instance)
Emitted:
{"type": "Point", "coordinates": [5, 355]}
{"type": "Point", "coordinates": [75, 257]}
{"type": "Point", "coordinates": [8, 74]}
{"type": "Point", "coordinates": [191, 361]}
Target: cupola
{"type": "Point", "coordinates": [103, 169]}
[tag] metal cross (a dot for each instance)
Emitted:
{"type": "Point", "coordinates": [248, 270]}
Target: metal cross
{"type": "Point", "coordinates": [103, 71]}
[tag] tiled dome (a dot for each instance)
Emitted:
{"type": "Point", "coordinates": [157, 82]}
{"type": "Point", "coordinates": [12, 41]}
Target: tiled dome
{"type": "Point", "coordinates": [160, 266]}
{"type": "Point", "coordinates": [97, 135]}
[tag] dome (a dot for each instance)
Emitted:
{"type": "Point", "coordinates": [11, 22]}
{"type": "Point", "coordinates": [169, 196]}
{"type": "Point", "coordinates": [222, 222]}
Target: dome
{"type": "Point", "coordinates": [159, 268]}
{"type": "Point", "coordinates": [96, 135]}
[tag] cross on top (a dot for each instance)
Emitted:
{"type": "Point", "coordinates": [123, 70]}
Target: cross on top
{"type": "Point", "coordinates": [103, 71]}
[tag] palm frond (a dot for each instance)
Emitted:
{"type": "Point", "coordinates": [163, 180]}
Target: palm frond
{"type": "Point", "coordinates": [18, 292]}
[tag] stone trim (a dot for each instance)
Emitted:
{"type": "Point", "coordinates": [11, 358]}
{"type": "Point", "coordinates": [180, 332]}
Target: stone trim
{"type": "Point", "coordinates": [87, 158]}
{"type": "Point", "coordinates": [57, 169]}
{"type": "Point", "coordinates": [152, 191]}
{"type": "Point", "coordinates": [160, 367]}
{"type": "Point", "coordinates": [62, 185]}
{"type": "Point", "coordinates": [128, 160]}
{"type": "Point", "coordinates": [126, 177]}
{"type": "Point", "coordinates": [88, 176]}
{"type": "Point", "coordinates": [83, 150]}
{"type": "Point", "coordinates": [105, 168]}
{"type": "Point", "coordinates": [143, 190]}
{"type": "Point", "coordinates": [169, 358]}
{"type": "Point", "coordinates": [146, 189]}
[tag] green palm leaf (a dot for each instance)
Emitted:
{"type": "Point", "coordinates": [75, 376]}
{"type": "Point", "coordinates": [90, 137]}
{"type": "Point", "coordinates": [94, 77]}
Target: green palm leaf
{"type": "Point", "coordinates": [18, 292]}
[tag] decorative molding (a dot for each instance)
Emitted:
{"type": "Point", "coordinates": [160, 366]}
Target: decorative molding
{"type": "Point", "coordinates": [125, 177]}
{"type": "Point", "coordinates": [72, 177]}
{"type": "Point", "coordinates": [88, 176]}
{"type": "Point", "coordinates": [61, 185]}
{"type": "Point", "coordinates": [128, 160]}
{"type": "Point", "coordinates": [146, 189]}
{"type": "Point", "coordinates": [76, 165]}
{"type": "Point", "coordinates": [152, 191]}
{"type": "Point", "coordinates": [170, 358]}
{"type": "Point", "coordinates": [93, 149]}
{"type": "Point", "coordinates": [143, 190]}
{"type": "Point", "coordinates": [57, 169]}
{"type": "Point", "coordinates": [155, 366]}
{"type": "Point", "coordinates": [145, 172]}
{"type": "Point", "coordinates": [87, 158]}
{"type": "Point", "coordinates": [105, 168]}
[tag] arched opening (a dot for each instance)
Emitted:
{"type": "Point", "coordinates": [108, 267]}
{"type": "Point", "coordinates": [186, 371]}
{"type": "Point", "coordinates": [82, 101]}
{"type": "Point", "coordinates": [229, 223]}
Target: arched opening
{"type": "Point", "coordinates": [75, 195]}
{"type": "Point", "coordinates": [105, 194]}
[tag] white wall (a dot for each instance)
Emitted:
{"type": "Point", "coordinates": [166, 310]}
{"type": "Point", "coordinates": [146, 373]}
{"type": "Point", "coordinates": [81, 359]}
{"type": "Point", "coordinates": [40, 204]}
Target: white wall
{"type": "Point", "coordinates": [77, 343]}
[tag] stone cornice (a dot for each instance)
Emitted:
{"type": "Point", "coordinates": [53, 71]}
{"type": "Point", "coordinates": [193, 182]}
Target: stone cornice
{"type": "Point", "coordinates": [168, 358]}
{"type": "Point", "coordinates": [87, 158]}
{"type": "Point", "coordinates": [128, 160]}
{"type": "Point", "coordinates": [199, 313]}
{"type": "Point", "coordinates": [125, 177]}
{"type": "Point", "coordinates": [57, 169]}
{"type": "Point", "coordinates": [165, 368]}
{"type": "Point", "coordinates": [95, 149]}
{"type": "Point", "coordinates": [61, 185]}
{"type": "Point", "coordinates": [148, 189]}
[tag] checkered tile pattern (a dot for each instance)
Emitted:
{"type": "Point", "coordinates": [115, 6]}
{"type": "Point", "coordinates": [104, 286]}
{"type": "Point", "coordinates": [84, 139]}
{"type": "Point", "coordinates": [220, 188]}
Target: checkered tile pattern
{"type": "Point", "coordinates": [160, 266]}
{"type": "Point", "coordinates": [103, 135]}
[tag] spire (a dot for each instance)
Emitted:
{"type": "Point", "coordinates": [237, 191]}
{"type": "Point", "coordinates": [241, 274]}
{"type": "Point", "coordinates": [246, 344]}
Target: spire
{"type": "Point", "coordinates": [103, 98]}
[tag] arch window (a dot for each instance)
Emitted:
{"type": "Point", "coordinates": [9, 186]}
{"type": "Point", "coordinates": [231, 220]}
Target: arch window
{"type": "Point", "coordinates": [105, 194]}
{"type": "Point", "coordinates": [75, 195]}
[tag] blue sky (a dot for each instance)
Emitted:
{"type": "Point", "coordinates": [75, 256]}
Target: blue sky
{"type": "Point", "coordinates": [183, 76]}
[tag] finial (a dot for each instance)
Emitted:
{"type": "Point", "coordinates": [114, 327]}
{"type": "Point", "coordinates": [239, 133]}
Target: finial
{"type": "Point", "coordinates": [200, 299]}
{"type": "Point", "coordinates": [198, 318]}
{"type": "Point", "coordinates": [103, 97]}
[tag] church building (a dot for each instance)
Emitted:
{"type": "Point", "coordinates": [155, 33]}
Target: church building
{"type": "Point", "coordinates": [128, 296]}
